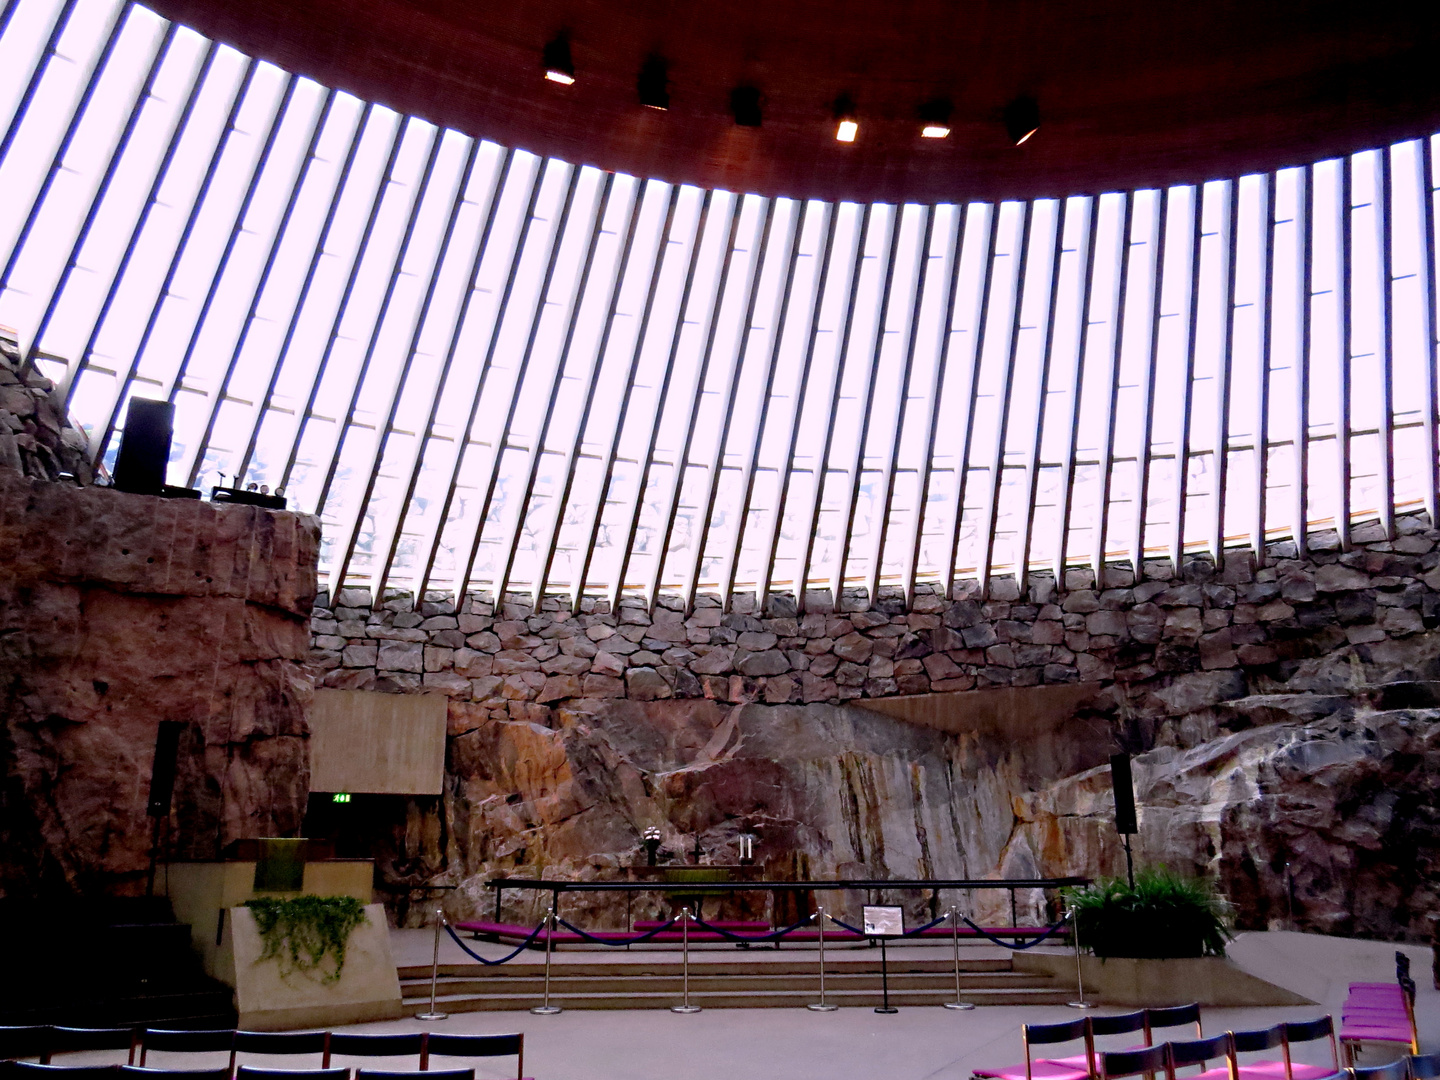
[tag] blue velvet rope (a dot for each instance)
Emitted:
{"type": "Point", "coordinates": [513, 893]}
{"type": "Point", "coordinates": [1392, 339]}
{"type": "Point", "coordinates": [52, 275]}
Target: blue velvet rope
{"type": "Point", "coordinates": [518, 949]}
{"type": "Point", "coordinates": [774, 935]}
{"type": "Point", "coordinates": [1049, 930]}
{"type": "Point", "coordinates": [908, 933]}
{"type": "Point", "coordinates": [648, 935]}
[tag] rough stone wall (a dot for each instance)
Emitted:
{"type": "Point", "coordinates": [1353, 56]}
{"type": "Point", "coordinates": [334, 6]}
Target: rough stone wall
{"type": "Point", "coordinates": [1287, 720]}
{"type": "Point", "coordinates": [118, 611]}
{"type": "Point", "coordinates": [36, 437]}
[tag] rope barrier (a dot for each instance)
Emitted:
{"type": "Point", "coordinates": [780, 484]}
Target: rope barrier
{"type": "Point", "coordinates": [648, 935]}
{"type": "Point", "coordinates": [1047, 932]}
{"type": "Point", "coordinates": [518, 949]}
{"type": "Point", "coordinates": [908, 933]}
{"type": "Point", "coordinates": [774, 935]}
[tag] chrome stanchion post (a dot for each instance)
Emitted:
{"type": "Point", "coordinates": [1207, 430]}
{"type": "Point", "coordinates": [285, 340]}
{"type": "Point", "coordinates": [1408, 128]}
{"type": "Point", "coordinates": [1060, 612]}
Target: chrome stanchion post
{"type": "Point", "coordinates": [955, 947]}
{"type": "Point", "coordinates": [546, 1009]}
{"type": "Point", "coordinates": [686, 1007]}
{"type": "Point", "coordinates": [1080, 1002]}
{"type": "Point", "coordinates": [432, 1014]}
{"type": "Point", "coordinates": [821, 1005]}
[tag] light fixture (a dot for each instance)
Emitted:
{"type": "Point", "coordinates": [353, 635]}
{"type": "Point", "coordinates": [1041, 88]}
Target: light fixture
{"type": "Point", "coordinates": [935, 118]}
{"type": "Point", "coordinates": [1022, 119]}
{"type": "Point", "coordinates": [846, 124]}
{"type": "Point", "coordinates": [556, 61]}
{"type": "Point", "coordinates": [653, 83]}
{"type": "Point", "coordinates": [745, 106]}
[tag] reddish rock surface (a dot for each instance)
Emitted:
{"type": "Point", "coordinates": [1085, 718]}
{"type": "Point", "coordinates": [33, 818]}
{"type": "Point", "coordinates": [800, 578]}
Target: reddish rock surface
{"type": "Point", "coordinates": [118, 611]}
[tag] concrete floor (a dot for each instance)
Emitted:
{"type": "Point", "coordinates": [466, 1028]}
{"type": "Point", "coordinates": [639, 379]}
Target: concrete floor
{"type": "Point", "coordinates": [916, 1044]}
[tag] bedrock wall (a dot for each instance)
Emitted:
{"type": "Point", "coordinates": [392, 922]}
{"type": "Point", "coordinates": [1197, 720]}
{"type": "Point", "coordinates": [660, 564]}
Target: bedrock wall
{"type": "Point", "coordinates": [1285, 717]}
{"type": "Point", "coordinates": [118, 611]}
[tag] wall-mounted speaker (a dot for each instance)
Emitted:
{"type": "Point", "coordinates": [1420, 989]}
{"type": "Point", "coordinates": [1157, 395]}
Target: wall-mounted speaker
{"type": "Point", "coordinates": [1124, 794]}
{"type": "Point", "coordinates": [145, 446]}
{"type": "Point", "coordinates": [162, 773]}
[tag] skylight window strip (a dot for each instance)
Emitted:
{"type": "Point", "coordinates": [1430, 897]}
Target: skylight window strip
{"type": "Point", "coordinates": [792, 431]}
{"type": "Point", "coordinates": [548, 539]}
{"type": "Point", "coordinates": [950, 287]}
{"type": "Point", "coordinates": [121, 21]}
{"type": "Point", "coordinates": [746, 486]}
{"type": "Point", "coordinates": [647, 457]}
{"type": "Point", "coordinates": [26, 47]}
{"type": "Point", "coordinates": [1108, 379]}
{"type": "Point", "coordinates": [418, 193]}
{"type": "Point", "coordinates": [1190, 287]}
{"type": "Point", "coordinates": [710, 322]}
{"type": "Point", "coordinates": [162, 54]}
{"type": "Point", "coordinates": [37, 74]}
{"type": "Point", "coordinates": [395, 386]}
{"type": "Point", "coordinates": [297, 184]}
{"type": "Point", "coordinates": [1429, 316]}
{"type": "Point", "coordinates": [969, 384]}
{"type": "Point", "coordinates": [377, 200]}
{"type": "Point", "coordinates": [891, 458]}
{"type": "Point", "coordinates": [1151, 350]}
{"type": "Point", "coordinates": [137, 230]}
{"type": "Point", "coordinates": [603, 493]}
{"type": "Point", "coordinates": [273, 123]}
{"type": "Point", "coordinates": [101, 434]}
{"type": "Point", "coordinates": [1010, 345]}
{"type": "Point", "coordinates": [853, 470]}
{"type": "Point", "coordinates": [1030, 486]}
{"type": "Point", "coordinates": [1344, 314]}
{"type": "Point", "coordinates": [1261, 440]}
{"type": "Point", "coordinates": [755, 270]}
{"type": "Point", "coordinates": [493, 462]}
{"type": "Point", "coordinates": [1381, 219]}
{"type": "Point", "coordinates": [511, 543]}
{"type": "Point", "coordinates": [1228, 248]}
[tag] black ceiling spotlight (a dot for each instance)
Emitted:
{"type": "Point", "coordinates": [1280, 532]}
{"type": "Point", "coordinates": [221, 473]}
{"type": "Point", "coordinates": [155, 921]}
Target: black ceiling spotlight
{"type": "Point", "coordinates": [556, 60]}
{"type": "Point", "coordinates": [745, 105]}
{"type": "Point", "coordinates": [935, 118]}
{"type": "Point", "coordinates": [1022, 119]}
{"type": "Point", "coordinates": [654, 83]}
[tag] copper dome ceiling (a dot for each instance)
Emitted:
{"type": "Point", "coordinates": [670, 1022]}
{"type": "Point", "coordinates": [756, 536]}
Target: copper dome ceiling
{"type": "Point", "coordinates": [1130, 94]}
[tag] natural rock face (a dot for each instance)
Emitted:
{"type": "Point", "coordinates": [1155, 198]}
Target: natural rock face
{"type": "Point", "coordinates": [118, 611]}
{"type": "Point", "coordinates": [36, 437]}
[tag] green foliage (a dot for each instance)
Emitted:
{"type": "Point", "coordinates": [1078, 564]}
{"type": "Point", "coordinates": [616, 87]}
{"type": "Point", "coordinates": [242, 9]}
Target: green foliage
{"type": "Point", "coordinates": [1164, 915]}
{"type": "Point", "coordinates": [300, 933]}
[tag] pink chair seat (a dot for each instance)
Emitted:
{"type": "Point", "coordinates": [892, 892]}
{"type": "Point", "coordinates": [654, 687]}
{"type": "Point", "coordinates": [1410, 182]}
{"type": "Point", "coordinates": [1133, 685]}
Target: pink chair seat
{"type": "Point", "coordinates": [1275, 1070]}
{"type": "Point", "coordinates": [1043, 1069]}
{"type": "Point", "coordinates": [1220, 1072]}
{"type": "Point", "coordinates": [1080, 1061]}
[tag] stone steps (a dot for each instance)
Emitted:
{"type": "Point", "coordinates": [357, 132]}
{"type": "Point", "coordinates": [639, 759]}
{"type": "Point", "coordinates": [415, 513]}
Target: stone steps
{"type": "Point", "coordinates": [660, 985]}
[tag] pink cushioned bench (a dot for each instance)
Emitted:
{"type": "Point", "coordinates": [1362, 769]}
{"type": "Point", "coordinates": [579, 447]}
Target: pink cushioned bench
{"type": "Point", "coordinates": [513, 934]}
{"type": "Point", "coordinates": [1378, 1012]}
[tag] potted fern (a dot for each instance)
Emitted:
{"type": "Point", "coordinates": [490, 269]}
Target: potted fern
{"type": "Point", "coordinates": [1162, 916]}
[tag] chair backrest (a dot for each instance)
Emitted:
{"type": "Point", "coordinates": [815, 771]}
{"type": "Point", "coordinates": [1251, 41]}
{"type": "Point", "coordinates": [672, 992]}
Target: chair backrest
{"type": "Point", "coordinates": [1248, 1042]}
{"type": "Point", "coordinates": [475, 1046]}
{"type": "Point", "coordinates": [1395, 1070]}
{"type": "Point", "coordinates": [1046, 1034]}
{"type": "Point", "coordinates": [251, 1072]}
{"type": "Point", "coordinates": [32, 1071]}
{"type": "Point", "coordinates": [435, 1074]}
{"type": "Point", "coordinates": [1172, 1016]}
{"type": "Point", "coordinates": [1311, 1031]}
{"type": "Point", "coordinates": [280, 1042]}
{"type": "Point", "coordinates": [186, 1042]}
{"type": "Point", "coordinates": [22, 1041]}
{"type": "Point", "coordinates": [137, 1072]}
{"type": "Point", "coordinates": [1116, 1063]}
{"type": "Point", "coordinates": [1118, 1024]}
{"type": "Point", "coordinates": [1425, 1067]}
{"type": "Point", "coordinates": [362, 1044]}
{"type": "Point", "coordinates": [69, 1039]}
{"type": "Point", "coordinates": [1199, 1051]}
{"type": "Point", "coordinates": [1402, 966]}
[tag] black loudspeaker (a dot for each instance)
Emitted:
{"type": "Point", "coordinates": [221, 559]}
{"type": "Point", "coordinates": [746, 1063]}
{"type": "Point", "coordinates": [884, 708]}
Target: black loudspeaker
{"type": "Point", "coordinates": [1124, 794]}
{"type": "Point", "coordinates": [145, 446]}
{"type": "Point", "coordinates": [162, 774]}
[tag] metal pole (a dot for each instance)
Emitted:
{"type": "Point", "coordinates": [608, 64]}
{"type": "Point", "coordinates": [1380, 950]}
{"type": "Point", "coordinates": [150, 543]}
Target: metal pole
{"type": "Point", "coordinates": [545, 1008]}
{"type": "Point", "coordinates": [1079, 1002]}
{"type": "Point", "coordinates": [821, 1005]}
{"type": "Point", "coordinates": [685, 1007]}
{"type": "Point", "coordinates": [431, 1013]}
{"type": "Point", "coordinates": [885, 1006]}
{"type": "Point", "coordinates": [955, 946]}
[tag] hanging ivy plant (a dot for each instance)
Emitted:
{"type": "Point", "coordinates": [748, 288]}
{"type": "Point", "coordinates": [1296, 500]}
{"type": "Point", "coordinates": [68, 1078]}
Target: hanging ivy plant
{"type": "Point", "coordinates": [302, 932]}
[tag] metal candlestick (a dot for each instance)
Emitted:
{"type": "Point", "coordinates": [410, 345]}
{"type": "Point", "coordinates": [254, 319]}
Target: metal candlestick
{"type": "Point", "coordinates": [821, 1005]}
{"type": "Point", "coordinates": [546, 1009]}
{"type": "Point", "coordinates": [1080, 1003]}
{"type": "Point", "coordinates": [432, 1013]}
{"type": "Point", "coordinates": [685, 1007]}
{"type": "Point", "coordinates": [955, 946]}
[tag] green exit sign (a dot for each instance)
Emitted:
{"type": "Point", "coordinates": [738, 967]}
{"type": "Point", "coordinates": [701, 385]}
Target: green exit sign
{"type": "Point", "coordinates": [342, 796]}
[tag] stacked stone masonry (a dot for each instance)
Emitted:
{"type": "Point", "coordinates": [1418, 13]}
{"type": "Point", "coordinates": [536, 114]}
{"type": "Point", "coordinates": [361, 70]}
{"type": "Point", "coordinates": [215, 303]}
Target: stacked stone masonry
{"type": "Point", "coordinates": [523, 663]}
